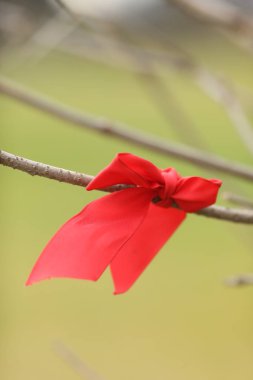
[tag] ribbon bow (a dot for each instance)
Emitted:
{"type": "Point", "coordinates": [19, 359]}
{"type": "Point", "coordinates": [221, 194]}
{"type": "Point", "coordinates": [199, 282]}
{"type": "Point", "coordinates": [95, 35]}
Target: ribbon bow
{"type": "Point", "coordinates": [127, 228]}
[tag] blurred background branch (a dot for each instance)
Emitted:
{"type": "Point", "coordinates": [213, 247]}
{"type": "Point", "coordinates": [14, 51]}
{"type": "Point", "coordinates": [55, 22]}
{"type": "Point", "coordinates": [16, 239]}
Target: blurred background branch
{"type": "Point", "coordinates": [103, 36]}
{"type": "Point", "coordinates": [240, 280]}
{"type": "Point", "coordinates": [75, 362]}
{"type": "Point", "coordinates": [238, 200]}
{"type": "Point", "coordinates": [181, 152]}
{"type": "Point", "coordinates": [222, 14]}
{"type": "Point", "coordinates": [216, 12]}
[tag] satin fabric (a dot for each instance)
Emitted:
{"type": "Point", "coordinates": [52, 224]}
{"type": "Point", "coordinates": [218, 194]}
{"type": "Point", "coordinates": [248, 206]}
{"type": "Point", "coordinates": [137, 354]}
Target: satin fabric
{"type": "Point", "coordinates": [125, 229]}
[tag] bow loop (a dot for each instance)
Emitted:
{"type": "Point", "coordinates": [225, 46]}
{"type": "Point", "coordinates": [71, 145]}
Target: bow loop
{"type": "Point", "coordinates": [195, 193]}
{"type": "Point", "coordinates": [128, 169]}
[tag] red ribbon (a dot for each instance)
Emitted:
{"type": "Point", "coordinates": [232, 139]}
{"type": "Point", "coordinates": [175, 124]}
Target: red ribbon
{"type": "Point", "coordinates": [125, 229]}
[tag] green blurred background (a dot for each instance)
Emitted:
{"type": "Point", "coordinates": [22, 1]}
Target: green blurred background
{"type": "Point", "coordinates": [179, 321]}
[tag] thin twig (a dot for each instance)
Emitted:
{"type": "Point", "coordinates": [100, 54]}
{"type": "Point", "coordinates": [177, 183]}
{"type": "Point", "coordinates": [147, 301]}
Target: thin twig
{"type": "Point", "coordinates": [80, 179]}
{"type": "Point", "coordinates": [229, 214]}
{"type": "Point", "coordinates": [162, 96]}
{"type": "Point", "coordinates": [75, 362]}
{"type": "Point", "coordinates": [225, 95]}
{"type": "Point", "coordinates": [180, 152]}
{"type": "Point", "coordinates": [238, 200]}
{"type": "Point", "coordinates": [240, 280]}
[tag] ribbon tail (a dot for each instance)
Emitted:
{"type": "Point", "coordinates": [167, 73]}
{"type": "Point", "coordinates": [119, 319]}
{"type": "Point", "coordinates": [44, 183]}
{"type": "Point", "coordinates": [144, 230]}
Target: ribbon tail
{"type": "Point", "coordinates": [86, 244]}
{"type": "Point", "coordinates": [158, 226]}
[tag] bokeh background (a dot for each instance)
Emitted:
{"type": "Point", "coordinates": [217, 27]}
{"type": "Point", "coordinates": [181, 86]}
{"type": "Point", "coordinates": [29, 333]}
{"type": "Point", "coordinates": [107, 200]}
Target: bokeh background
{"type": "Point", "coordinates": [151, 66]}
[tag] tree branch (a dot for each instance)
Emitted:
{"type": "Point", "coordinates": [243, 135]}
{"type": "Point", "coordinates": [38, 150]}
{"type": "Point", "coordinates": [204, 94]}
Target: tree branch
{"type": "Point", "coordinates": [80, 179]}
{"type": "Point", "coordinates": [35, 168]}
{"type": "Point", "coordinates": [180, 152]}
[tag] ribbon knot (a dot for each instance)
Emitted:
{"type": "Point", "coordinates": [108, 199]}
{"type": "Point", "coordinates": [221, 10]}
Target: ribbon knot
{"type": "Point", "coordinates": [166, 191]}
{"type": "Point", "coordinates": [125, 229]}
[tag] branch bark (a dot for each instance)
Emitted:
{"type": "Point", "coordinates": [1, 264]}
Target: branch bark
{"type": "Point", "coordinates": [180, 152]}
{"type": "Point", "coordinates": [35, 168]}
{"type": "Point", "coordinates": [81, 179]}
